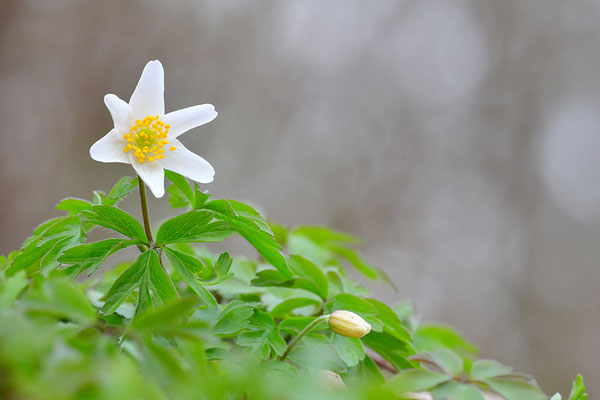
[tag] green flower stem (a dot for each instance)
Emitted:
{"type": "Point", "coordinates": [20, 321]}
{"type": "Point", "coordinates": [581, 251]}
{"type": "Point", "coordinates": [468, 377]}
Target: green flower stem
{"type": "Point", "coordinates": [145, 209]}
{"type": "Point", "coordinates": [302, 334]}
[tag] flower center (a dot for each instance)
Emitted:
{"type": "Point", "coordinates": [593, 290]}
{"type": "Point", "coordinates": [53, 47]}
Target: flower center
{"type": "Point", "coordinates": [147, 138]}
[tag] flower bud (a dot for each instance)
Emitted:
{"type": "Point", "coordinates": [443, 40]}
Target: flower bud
{"type": "Point", "coordinates": [348, 324]}
{"type": "Point", "coordinates": [330, 379]}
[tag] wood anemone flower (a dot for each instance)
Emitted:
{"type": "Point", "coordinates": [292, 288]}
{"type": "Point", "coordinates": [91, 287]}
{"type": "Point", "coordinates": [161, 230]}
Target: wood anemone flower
{"type": "Point", "coordinates": [145, 137]}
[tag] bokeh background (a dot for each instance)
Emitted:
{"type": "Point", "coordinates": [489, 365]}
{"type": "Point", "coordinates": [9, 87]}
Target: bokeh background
{"type": "Point", "coordinates": [459, 138]}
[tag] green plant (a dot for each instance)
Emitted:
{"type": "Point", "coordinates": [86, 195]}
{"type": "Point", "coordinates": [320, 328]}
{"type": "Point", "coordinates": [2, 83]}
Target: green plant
{"type": "Point", "coordinates": [179, 321]}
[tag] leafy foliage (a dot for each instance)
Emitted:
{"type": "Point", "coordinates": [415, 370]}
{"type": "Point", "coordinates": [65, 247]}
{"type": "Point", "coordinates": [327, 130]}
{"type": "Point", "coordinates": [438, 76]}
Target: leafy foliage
{"type": "Point", "coordinates": [179, 321]}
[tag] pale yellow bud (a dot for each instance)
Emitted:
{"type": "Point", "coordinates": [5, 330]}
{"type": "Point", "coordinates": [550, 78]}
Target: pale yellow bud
{"type": "Point", "coordinates": [348, 324]}
{"type": "Point", "coordinates": [330, 379]}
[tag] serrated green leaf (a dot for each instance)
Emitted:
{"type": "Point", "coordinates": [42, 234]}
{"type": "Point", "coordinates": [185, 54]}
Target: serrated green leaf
{"type": "Point", "coordinates": [294, 325]}
{"type": "Point", "coordinates": [394, 350]}
{"type": "Point", "coordinates": [11, 287]}
{"type": "Point", "coordinates": [483, 369]}
{"type": "Point", "coordinates": [120, 190]}
{"type": "Point", "coordinates": [50, 260]}
{"type": "Point", "coordinates": [73, 205]}
{"type": "Point", "coordinates": [69, 226]}
{"type": "Point", "coordinates": [233, 319]}
{"type": "Point", "coordinates": [415, 380]}
{"type": "Point", "coordinates": [391, 322]}
{"type": "Point", "coordinates": [159, 282]}
{"type": "Point", "coordinates": [447, 361]}
{"type": "Point", "coordinates": [126, 283]}
{"type": "Point", "coordinates": [62, 298]}
{"type": "Point", "coordinates": [578, 389]}
{"type": "Point", "coordinates": [166, 314]}
{"type": "Point", "coordinates": [223, 264]}
{"type": "Point", "coordinates": [116, 219]}
{"type": "Point", "coordinates": [199, 197]}
{"type": "Point", "coordinates": [32, 254]}
{"type": "Point", "coordinates": [322, 234]}
{"type": "Point", "coordinates": [185, 265]}
{"type": "Point", "coordinates": [256, 232]}
{"type": "Point", "coordinates": [183, 227]}
{"type": "Point", "coordinates": [456, 391]}
{"type": "Point", "coordinates": [282, 309]}
{"type": "Point", "coordinates": [350, 350]}
{"type": "Point", "coordinates": [182, 184]}
{"type": "Point", "coordinates": [430, 337]}
{"type": "Point", "coordinates": [306, 269]}
{"type": "Point", "coordinates": [513, 389]}
{"type": "Point", "coordinates": [176, 197]}
{"type": "Point", "coordinates": [92, 255]}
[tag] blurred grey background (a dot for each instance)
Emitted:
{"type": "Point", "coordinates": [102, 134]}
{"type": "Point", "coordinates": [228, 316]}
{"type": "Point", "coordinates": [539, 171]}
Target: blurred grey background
{"type": "Point", "coordinates": [459, 138]}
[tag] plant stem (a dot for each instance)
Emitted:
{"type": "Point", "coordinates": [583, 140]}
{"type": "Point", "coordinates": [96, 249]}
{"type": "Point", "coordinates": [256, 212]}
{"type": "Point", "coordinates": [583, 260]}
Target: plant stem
{"type": "Point", "coordinates": [145, 210]}
{"type": "Point", "coordinates": [302, 334]}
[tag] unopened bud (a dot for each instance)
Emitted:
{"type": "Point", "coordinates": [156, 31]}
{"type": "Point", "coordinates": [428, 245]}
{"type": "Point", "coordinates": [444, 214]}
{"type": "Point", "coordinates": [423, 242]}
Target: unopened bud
{"type": "Point", "coordinates": [330, 379]}
{"type": "Point", "coordinates": [348, 324]}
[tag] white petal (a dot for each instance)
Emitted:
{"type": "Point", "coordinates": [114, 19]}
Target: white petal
{"type": "Point", "coordinates": [185, 119]}
{"type": "Point", "coordinates": [188, 164]}
{"type": "Point", "coordinates": [121, 112]}
{"type": "Point", "coordinates": [148, 97]}
{"type": "Point", "coordinates": [153, 175]}
{"type": "Point", "coordinates": [110, 148]}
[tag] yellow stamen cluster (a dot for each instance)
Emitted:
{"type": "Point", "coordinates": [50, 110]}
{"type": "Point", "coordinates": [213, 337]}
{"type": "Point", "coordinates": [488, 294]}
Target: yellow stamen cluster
{"type": "Point", "coordinates": [147, 138]}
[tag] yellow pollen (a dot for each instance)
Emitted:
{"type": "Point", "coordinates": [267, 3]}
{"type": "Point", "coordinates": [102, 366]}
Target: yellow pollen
{"type": "Point", "coordinates": [172, 148]}
{"type": "Point", "coordinates": [146, 138]}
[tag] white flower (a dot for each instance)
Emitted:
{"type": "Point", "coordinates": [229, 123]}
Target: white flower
{"type": "Point", "coordinates": [145, 137]}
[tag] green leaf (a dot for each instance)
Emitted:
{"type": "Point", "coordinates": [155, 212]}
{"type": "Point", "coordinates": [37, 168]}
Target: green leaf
{"type": "Point", "coordinates": [223, 264]}
{"type": "Point", "coordinates": [216, 231]}
{"type": "Point", "coordinates": [116, 219]}
{"type": "Point", "coordinates": [430, 337]}
{"type": "Point", "coordinates": [182, 184]}
{"type": "Point", "coordinates": [394, 350]}
{"type": "Point", "coordinates": [74, 206]}
{"type": "Point", "coordinates": [578, 389]}
{"type": "Point", "coordinates": [350, 350]}
{"type": "Point", "coordinates": [353, 257]}
{"type": "Point", "coordinates": [244, 221]}
{"type": "Point", "coordinates": [306, 269]}
{"type": "Point", "coordinates": [321, 234]}
{"type": "Point", "coordinates": [233, 319]}
{"type": "Point", "coordinates": [49, 240]}
{"type": "Point", "coordinates": [30, 255]}
{"type": "Point", "coordinates": [483, 369]}
{"type": "Point", "coordinates": [187, 267]}
{"type": "Point", "coordinates": [121, 189]}
{"type": "Point", "coordinates": [391, 322]}
{"type": "Point", "coordinates": [69, 226]}
{"type": "Point", "coordinates": [263, 336]}
{"type": "Point", "coordinates": [514, 389]}
{"type": "Point", "coordinates": [11, 287]}
{"type": "Point", "coordinates": [50, 260]}
{"type": "Point", "coordinates": [294, 325]}
{"type": "Point", "coordinates": [176, 197]}
{"type": "Point", "coordinates": [159, 282]}
{"type": "Point", "coordinates": [64, 299]}
{"type": "Point", "coordinates": [126, 283]}
{"type": "Point", "coordinates": [183, 227]}
{"type": "Point", "coordinates": [456, 391]}
{"type": "Point", "coordinates": [167, 315]}
{"type": "Point", "coordinates": [282, 309]}
{"type": "Point", "coordinates": [92, 255]}
{"type": "Point", "coordinates": [415, 380]}
{"type": "Point", "coordinates": [200, 197]}
{"type": "Point", "coordinates": [447, 361]}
